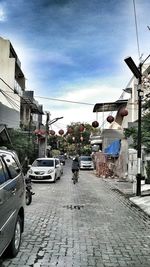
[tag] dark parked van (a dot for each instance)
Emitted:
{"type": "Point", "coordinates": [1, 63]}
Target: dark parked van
{"type": "Point", "coordinates": [12, 199]}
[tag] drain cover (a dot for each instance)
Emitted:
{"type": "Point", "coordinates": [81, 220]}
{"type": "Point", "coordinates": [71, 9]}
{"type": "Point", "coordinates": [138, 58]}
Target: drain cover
{"type": "Point", "coordinates": [72, 207]}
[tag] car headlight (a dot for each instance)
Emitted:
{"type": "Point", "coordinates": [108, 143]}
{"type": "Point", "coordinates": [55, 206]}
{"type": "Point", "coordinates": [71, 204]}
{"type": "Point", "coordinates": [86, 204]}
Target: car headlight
{"type": "Point", "coordinates": [30, 171]}
{"type": "Point", "coordinates": [50, 171]}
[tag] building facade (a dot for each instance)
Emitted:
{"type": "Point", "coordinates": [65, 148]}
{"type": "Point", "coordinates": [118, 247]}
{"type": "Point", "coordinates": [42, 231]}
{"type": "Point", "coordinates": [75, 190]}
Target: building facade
{"type": "Point", "coordinates": [126, 116]}
{"type": "Point", "coordinates": [12, 85]}
{"type": "Point", "coordinates": [18, 108]}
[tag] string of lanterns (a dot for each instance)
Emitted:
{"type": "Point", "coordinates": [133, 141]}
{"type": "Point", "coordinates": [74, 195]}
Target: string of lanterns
{"type": "Point", "coordinates": [95, 124]}
{"type": "Point", "coordinates": [123, 112]}
{"type": "Point", "coordinates": [41, 132]}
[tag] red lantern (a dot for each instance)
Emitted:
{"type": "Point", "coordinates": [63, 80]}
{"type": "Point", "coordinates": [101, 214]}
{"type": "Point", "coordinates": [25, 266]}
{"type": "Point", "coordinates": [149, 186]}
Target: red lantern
{"type": "Point", "coordinates": [61, 132]}
{"type": "Point", "coordinates": [36, 131]}
{"type": "Point", "coordinates": [52, 132]}
{"type": "Point", "coordinates": [95, 124]}
{"type": "Point", "coordinates": [39, 132]}
{"type": "Point", "coordinates": [81, 128]}
{"type": "Point", "coordinates": [42, 132]}
{"type": "Point", "coordinates": [110, 118]}
{"type": "Point", "coordinates": [124, 112]}
{"type": "Point", "coordinates": [70, 130]}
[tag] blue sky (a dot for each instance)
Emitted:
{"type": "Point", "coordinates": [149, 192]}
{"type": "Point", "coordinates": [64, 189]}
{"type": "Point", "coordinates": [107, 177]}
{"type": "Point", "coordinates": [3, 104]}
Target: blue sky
{"type": "Point", "coordinates": [75, 49]}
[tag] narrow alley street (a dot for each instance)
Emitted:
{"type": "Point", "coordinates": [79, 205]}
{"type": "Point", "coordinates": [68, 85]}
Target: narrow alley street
{"type": "Point", "coordinates": [83, 225]}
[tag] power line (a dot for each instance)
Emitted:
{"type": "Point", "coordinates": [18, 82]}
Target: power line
{"type": "Point", "coordinates": [136, 28]}
{"type": "Point", "coordinates": [21, 97]}
{"type": "Point", "coordinates": [63, 100]}
{"type": "Point", "coordinates": [10, 101]}
{"type": "Point", "coordinates": [7, 84]}
{"type": "Point", "coordinates": [55, 99]}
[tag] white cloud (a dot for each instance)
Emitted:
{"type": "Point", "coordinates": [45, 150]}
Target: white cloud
{"type": "Point", "coordinates": [57, 57]}
{"type": "Point", "coordinates": [92, 93]}
{"type": "Point", "coordinates": [3, 16]}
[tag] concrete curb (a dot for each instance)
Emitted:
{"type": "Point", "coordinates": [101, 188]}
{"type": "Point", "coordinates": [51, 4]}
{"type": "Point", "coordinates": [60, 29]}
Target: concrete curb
{"type": "Point", "coordinates": [128, 190]}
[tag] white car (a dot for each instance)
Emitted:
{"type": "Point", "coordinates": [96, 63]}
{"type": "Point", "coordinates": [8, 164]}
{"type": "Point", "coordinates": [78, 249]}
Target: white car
{"type": "Point", "coordinates": [45, 169]}
{"type": "Point", "coordinates": [86, 162]}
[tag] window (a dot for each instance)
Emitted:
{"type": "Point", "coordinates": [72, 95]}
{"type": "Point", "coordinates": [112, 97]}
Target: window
{"type": "Point", "coordinates": [4, 175]}
{"type": "Point", "coordinates": [12, 165]}
{"type": "Point", "coordinates": [57, 162]}
{"type": "Point", "coordinates": [85, 158]}
{"type": "Point", "coordinates": [42, 163]}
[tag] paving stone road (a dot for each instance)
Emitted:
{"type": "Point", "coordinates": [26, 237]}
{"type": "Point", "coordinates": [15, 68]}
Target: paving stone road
{"type": "Point", "coordinates": [84, 225]}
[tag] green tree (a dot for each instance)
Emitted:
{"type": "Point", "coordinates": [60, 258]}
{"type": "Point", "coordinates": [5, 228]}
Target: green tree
{"type": "Point", "coordinates": [23, 144]}
{"type": "Point", "coordinates": [145, 129]}
{"type": "Point", "coordinates": [132, 133]}
{"type": "Point", "coordinates": [79, 141]}
{"type": "Point", "coordinates": [75, 142]}
{"type": "Point", "coordinates": [146, 125]}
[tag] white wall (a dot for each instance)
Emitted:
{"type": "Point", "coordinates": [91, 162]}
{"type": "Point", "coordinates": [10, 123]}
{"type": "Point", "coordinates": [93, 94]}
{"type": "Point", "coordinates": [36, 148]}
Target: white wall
{"type": "Point", "coordinates": [9, 102]}
{"type": "Point", "coordinates": [132, 164]}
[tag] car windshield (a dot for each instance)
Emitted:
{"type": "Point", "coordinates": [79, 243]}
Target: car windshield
{"type": "Point", "coordinates": [86, 158]}
{"type": "Point", "coordinates": [61, 157]}
{"type": "Point", "coordinates": [41, 163]}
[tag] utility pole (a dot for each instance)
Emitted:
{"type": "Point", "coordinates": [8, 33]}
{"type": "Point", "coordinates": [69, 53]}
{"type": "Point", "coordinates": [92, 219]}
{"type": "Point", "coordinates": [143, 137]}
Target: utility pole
{"type": "Point", "coordinates": [29, 134]}
{"type": "Point", "coordinates": [140, 93]}
{"type": "Point", "coordinates": [137, 71]}
{"type": "Point", "coordinates": [47, 131]}
{"type": "Point", "coordinates": [49, 122]}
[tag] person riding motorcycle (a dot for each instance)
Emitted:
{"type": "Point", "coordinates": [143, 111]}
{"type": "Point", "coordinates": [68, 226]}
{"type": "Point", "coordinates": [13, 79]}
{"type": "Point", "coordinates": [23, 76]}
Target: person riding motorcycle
{"type": "Point", "coordinates": [75, 165]}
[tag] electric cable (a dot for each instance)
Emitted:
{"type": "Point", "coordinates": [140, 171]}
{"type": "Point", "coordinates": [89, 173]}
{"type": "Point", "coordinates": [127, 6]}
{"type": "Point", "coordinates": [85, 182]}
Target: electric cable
{"type": "Point", "coordinates": [11, 102]}
{"type": "Point", "coordinates": [63, 100]}
{"type": "Point", "coordinates": [7, 93]}
{"type": "Point", "coordinates": [136, 28]}
{"type": "Point", "coordinates": [13, 90]}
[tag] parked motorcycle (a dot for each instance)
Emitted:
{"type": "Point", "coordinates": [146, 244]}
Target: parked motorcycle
{"type": "Point", "coordinates": [29, 192]}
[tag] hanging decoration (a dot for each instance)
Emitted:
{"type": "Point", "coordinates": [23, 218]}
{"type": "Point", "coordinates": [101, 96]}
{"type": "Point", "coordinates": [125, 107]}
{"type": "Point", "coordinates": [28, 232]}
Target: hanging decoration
{"type": "Point", "coordinates": [70, 130]}
{"type": "Point", "coordinates": [110, 118]}
{"type": "Point", "coordinates": [95, 124]}
{"type": "Point", "coordinates": [124, 112]}
{"type": "Point", "coordinates": [40, 132]}
{"type": "Point", "coordinates": [61, 132]}
{"type": "Point", "coordinates": [81, 128]}
{"type": "Point", "coordinates": [52, 132]}
{"type": "Point", "coordinates": [36, 131]}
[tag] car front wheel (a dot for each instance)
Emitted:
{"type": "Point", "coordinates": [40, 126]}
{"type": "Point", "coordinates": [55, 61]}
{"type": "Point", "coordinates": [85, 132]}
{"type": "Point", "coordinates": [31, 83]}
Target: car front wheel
{"type": "Point", "coordinates": [14, 245]}
{"type": "Point", "coordinates": [55, 178]}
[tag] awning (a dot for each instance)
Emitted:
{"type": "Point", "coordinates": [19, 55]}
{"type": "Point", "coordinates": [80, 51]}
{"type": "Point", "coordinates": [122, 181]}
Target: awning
{"type": "Point", "coordinates": [113, 149]}
{"type": "Point", "coordinates": [4, 136]}
{"type": "Point", "coordinates": [96, 141]}
{"type": "Point", "coordinates": [28, 98]}
{"type": "Point", "coordinates": [109, 106]}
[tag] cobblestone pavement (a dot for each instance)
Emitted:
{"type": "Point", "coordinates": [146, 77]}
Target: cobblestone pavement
{"type": "Point", "coordinates": [88, 224]}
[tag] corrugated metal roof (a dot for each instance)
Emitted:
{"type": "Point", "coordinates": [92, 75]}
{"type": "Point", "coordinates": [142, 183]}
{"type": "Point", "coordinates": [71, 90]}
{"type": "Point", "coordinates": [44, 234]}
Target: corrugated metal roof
{"type": "Point", "coordinates": [109, 106]}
